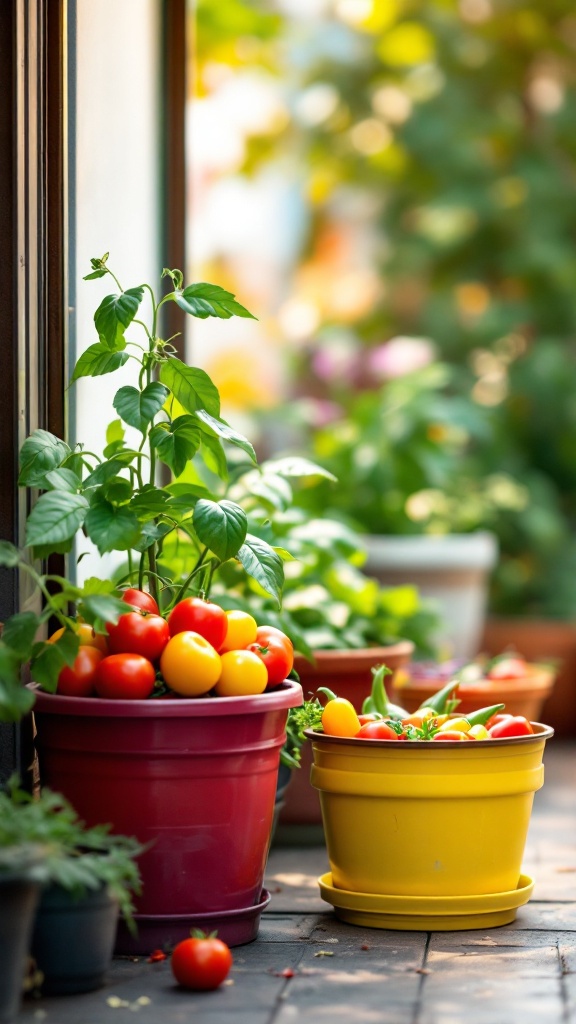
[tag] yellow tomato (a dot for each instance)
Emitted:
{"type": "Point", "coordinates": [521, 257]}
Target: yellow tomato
{"type": "Point", "coordinates": [241, 631]}
{"type": "Point", "coordinates": [479, 732]}
{"type": "Point", "coordinates": [189, 664]}
{"type": "Point", "coordinates": [458, 724]}
{"type": "Point", "coordinates": [243, 674]}
{"type": "Point", "coordinates": [86, 635]}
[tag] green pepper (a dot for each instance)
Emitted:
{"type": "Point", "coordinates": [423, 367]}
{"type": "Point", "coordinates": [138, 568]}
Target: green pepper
{"type": "Point", "coordinates": [441, 701]}
{"type": "Point", "coordinates": [378, 699]}
{"type": "Point", "coordinates": [484, 715]}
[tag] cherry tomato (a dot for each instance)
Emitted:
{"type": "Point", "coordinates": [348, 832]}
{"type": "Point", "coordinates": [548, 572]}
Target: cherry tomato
{"type": "Point", "coordinates": [243, 674]}
{"type": "Point", "coordinates": [189, 664]}
{"type": "Point", "coordinates": [195, 615]}
{"type": "Point", "coordinates": [201, 963]}
{"type": "Point", "coordinates": [376, 731]}
{"type": "Point", "coordinates": [372, 717]}
{"type": "Point", "coordinates": [514, 726]}
{"type": "Point", "coordinates": [497, 718]}
{"type": "Point", "coordinates": [513, 667]}
{"type": "Point", "coordinates": [240, 632]}
{"type": "Point", "coordinates": [135, 633]}
{"type": "Point", "coordinates": [78, 680]}
{"type": "Point", "coordinates": [140, 599]}
{"type": "Point", "coordinates": [86, 635]}
{"type": "Point", "coordinates": [125, 677]}
{"type": "Point", "coordinates": [277, 657]}
{"type": "Point", "coordinates": [450, 736]}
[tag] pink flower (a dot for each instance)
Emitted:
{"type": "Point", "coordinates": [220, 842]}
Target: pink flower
{"type": "Point", "coordinates": [399, 356]}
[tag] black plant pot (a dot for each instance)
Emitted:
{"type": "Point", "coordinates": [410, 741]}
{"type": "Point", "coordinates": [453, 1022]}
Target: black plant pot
{"type": "Point", "coordinates": [18, 901]}
{"type": "Point", "coordinates": [73, 939]}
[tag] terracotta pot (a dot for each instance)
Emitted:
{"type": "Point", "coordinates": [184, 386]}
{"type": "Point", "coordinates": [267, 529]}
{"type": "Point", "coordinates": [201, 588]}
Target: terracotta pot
{"type": "Point", "coordinates": [194, 779]}
{"type": "Point", "coordinates": [524, 696]}
{"type": "Point", "coordinates": [542, 640]}
{"type": "Point", "coordinates": [348, 673]}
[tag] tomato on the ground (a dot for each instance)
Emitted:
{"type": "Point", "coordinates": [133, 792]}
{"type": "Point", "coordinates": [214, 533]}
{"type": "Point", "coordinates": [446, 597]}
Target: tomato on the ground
{"type": "Point", "coordinates": [195, 615]}
{"type": "Point", "coordinates": [140, 599]}
{"type": "Point", "coordinates": [137, 633]}
{"type": "Point", "coordinates": [79, 679]}
{"type": "Point", "coordinates": [125, 677]}
{"type": "Point", "coordinates": [241, 630]}
{"type": "Point", "coordinates": [243, 674]}
{"type": "Point", "coordinates": [189, 664]}
{"type": "Point", "coordinates": [376, 731]}
{"type": "Point", "coordinates": [201, 963]}
{"type": "Point", "coordinates": [86, 634]}
{"type": "Point", "coordinates": [276, 656]}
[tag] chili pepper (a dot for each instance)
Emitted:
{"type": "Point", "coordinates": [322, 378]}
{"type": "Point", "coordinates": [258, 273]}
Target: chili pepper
{"type": "Point", "coordinates": [513, 726]}
{"type": "Point", "coordinates": [378, 699]}
{"type": "Point", "coordinates": [443, 702]}
{"type": "Point", "coordinates": [483, 715]}
{"type": "Point", "coordinates": [339, 717]}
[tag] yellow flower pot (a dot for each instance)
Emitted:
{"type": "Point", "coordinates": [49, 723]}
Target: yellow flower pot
{"type": "Point", "coordinates": [421, 819]}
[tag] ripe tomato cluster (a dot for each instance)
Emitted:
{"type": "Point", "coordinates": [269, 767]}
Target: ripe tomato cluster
{"type": "Point", "coordinates": [197, 649]}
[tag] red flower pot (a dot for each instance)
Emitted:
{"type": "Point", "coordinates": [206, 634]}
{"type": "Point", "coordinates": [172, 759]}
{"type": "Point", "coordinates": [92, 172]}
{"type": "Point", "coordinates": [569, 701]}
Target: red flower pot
{"type": "Point", "coordinates": [196, 779]}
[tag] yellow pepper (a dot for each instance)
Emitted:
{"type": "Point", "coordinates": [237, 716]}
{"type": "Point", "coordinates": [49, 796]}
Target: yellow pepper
{"type": "Point", "coordinates": [456, 725]}
{"type": "Point", "coordinates": [339, 718]}
{"type": "Point", "coordinates": [479, 732]}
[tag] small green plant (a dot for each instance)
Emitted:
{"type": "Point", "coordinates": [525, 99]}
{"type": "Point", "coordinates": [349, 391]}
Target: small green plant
{"type": "Point", "coordinates": [175, 532]}
{"type": "Point", "coordinates": [307, 716]}
{"type": "Point", "coordinates": [45, 830]}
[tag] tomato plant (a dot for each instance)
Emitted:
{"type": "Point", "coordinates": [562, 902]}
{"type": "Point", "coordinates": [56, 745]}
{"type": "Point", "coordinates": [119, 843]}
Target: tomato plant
{"type": "Point", "coordinates": [189, 664]}
{"type": "Point", "coordinates": [243, 674]}
{"type": "Point", "coordinates": [135, 633]}
{"type": "Point", "coordinates": [78, 680]}
{"type": "Point", "coordinates": [201, 962]}
{"type": "Point", "coordinates": [140, 599]}
{"type": "Point", "coordinates": [277, 657]}
{"type": "Point", "coordinates": [125, 677]}
{"type": "Point", "coordinates": [196, 615]}
{"type": "Point", "coordinates": [240, 632]}
{"type": "Point", "coordinates": [376, 731]}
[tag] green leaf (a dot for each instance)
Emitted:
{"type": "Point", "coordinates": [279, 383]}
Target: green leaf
{"type": "Point", "coordinates": [221, 526]}
{"type": "Point", "coordinates": [56, 517]}
{"type": "Point", "coordinates": [108, 469]}
{"type": "Point", "coordinates": [9, 555]}
{"type": "Point", "coordinates": [99, 607]}
{"type": "Point", "coordinates": [40, 453]}
{"type": "Point", "coordinates": [19, 633]}
{"type": "Point", "coordinates": [295, 465]}
{"type": "Point", "coordinates": [44, 550]}
{"type": "Point", "coordinates": [204, 300]}
{"type": "Point", "coordinates": [98, 360]}
{"type": "Point", "coordinates": [111, 528]}
{"type": "Point", "coordinates": [15, 699]}
{"type": "Point", "coordinates": [214, 456]}
{"type": "Point", "coordinates": [176, 442]}
{"type": "Point", "coordinates": [138, 408]}
{"type": "Point", "coordinates": [118, 490]}
{"type": "Point", "coordinates": [262, 563]}
{"type": "Point", "coordinates": [152, 532]}
{"type": "Point", "coordinates": [63, 480]}
{"type": "Point", "coordinates": [221, 429]}
{"type": "Point", "coordinates": [114, 314]}
{"type": "Point", "coordinates": [50, 659]}
{"type": "Point", "coordinates": [115, 432]}
{"type": "Point", "coordinates": [94, 585]}
{"type": "Point", "coordinates": [191, 386]}
{"type": "Point", "coordinates": [150, 501]}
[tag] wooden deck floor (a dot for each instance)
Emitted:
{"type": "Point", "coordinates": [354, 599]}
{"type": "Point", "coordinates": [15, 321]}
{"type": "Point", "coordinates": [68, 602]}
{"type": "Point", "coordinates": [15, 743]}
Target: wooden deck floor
{"type": "Point", "coordinates": [308, 968]}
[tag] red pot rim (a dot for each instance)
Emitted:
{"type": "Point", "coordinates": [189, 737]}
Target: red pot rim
{"type": "Point", "coordinates": [375, 655]}
{"type": "Point", "coordinates": [541, 732]}
{"type": "Point", "coordinates": [287, 695]}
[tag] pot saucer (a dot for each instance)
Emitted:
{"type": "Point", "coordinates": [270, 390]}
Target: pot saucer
{"type": "Point", "coordinates": [426, 913]}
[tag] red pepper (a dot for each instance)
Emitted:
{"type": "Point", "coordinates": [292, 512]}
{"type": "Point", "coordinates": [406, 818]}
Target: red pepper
{"type": "Point", "coordinates": [512, 726]}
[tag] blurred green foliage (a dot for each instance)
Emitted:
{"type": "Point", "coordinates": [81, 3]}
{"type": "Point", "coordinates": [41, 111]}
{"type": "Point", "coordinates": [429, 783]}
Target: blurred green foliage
{"type": "Point", "coordinates": [436, 139]}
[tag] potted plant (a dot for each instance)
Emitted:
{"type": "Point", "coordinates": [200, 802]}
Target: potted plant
{"type": "Point", "coordinates": [157, 754]}
{"type": "Point", "coordinates": [87, 876]}
{"type": "Point", "coordinates": [21, 878]}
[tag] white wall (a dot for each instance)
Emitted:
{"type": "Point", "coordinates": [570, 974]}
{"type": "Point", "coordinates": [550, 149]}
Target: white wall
{"type": "Point", "coordinates": [117, 184]}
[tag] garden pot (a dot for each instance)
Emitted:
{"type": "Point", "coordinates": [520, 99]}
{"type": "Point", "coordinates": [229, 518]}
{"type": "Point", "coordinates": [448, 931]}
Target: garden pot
{"type": "Point", "coordinates": [412, 822]}
{"type": "Point", "coordinates": [194, 779]}
{"type": "Point", "coordinates": [524, 696]}
{"type": "Point", "coordinates": [73, 939]}
{"type": "Point", "coordinates": [348, 673]}
{"type": "Point", "coordinates": [18, 900]}
{"type": "Point", "coordinates": [453, 570]}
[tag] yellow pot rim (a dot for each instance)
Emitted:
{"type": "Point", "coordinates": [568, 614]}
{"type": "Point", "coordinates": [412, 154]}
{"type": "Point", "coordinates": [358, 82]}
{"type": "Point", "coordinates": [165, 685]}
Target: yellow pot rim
{"type": "Point", "coordinates": [541, 732]}
{"type": "Point", "coordinates": [377, 903]}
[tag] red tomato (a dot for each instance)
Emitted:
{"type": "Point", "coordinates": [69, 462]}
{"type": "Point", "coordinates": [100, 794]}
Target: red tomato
{"type": "Point", "coordinates": [195, 615]}
{"type": "Point", "coordinates": [513, 726]}
{"type": "Point", "coordinates": [78, 680]}
{"type": "Point", "coordinates": [363, 719]}
{"type": "Point", "coordinates": [277, 657]}
{"type": "Point", "coordinates": [449, 735]}
{"type": "Point", "coordinates": [201, 963]}
{"type": "Point", "coordinates": [141, 600]}
{"type": "Point", "coordinates": [265, 633]}
{"type": "Point", "coordinates": [514, 667]}
{"type": "Point", "coordinates": [376, 731]}
{"type": "Point", "coordinates": [135, 633]}
{"type": "Point", "coordinates": [497, 718]}
{"type": "Point", "coordinates": [125, 677]}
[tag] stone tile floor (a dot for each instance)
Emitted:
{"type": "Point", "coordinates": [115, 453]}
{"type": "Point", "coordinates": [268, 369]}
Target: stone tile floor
{"type": "Point", "coordinates": [307, 967]}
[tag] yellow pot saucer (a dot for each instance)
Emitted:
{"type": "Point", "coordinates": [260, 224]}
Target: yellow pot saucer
{"type": "Point", "coordinates": [426, 913]}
